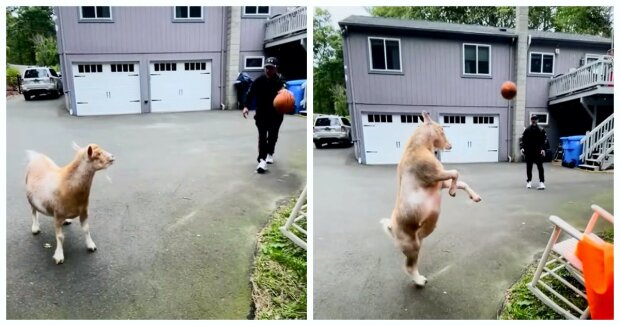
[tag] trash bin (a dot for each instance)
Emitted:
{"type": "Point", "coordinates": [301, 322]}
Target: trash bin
{"type": "Point", "coordinates": [572, 150]}
{"type": "Point", "coordinates": [295, 87]}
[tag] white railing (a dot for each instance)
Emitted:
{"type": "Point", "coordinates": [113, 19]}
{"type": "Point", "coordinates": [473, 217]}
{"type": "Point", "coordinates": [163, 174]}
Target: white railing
{"type": "Point", "coordinates": [595, 74]}
{"type": "Point", "coordinates": [299, 213]}
{"type": "Point", "coordinates": [285, 24]}
{"type": "Point", "coordinates": [599, 140]}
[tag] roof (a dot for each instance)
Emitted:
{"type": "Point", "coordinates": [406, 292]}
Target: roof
{"type": "Point", "coordinates": [441, 27]}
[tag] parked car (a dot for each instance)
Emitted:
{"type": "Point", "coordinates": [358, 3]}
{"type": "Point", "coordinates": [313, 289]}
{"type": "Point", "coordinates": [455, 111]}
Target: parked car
{"type": "Point", "coordinates": [331, 129]}
{"type": "Point", "coordinates": [41, 80]}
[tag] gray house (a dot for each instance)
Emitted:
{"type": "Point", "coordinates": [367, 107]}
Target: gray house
{"type": "Point", "coordinates": [128, 60]}
{"type": "Point", "coordinates": [395, 69]}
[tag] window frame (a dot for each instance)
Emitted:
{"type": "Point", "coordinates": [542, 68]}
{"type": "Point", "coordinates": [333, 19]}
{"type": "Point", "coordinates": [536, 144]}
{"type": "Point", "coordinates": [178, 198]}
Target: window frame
{"type": "Point", "coordinates": [189, 19]}
{"type": "Point", "coordinates": [81, 18]}
{"type": "Point", "coordinates": [257, 14]}
{"type": "Point", "coordinates": [546, 114]}
{"type": "Point", "coordinates": [386, 70]}
{"type": "Point", "coordinates": [542, 59]}
{"type": "Point", "coordinates": [245, 62]}
{"type": "Point", "coordinates": [591, 56]}
{"type": "Point", "coordinates": [477, 74]}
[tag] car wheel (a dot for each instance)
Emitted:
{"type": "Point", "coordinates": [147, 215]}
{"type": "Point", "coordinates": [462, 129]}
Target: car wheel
{"type": "Point", "coordinates": [26, 96]}
{"type": "Point", "coordinates": [318, 144]}
{"type": "Point", "coordinates": [58, 93]}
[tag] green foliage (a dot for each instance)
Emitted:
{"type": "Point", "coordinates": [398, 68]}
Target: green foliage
{"type": "Point", "coordinates": [23, 25]}
{"type": "Point", "coordinates": [280, 272]}
{"type": "Point", "coordinates": [328, 62]}
{"type": "Point", "coordinates": [11, 76]}
{"type": "Point", "coordinates": [339, 96]}
{"type": "Point", "coordinates": [583, 20]}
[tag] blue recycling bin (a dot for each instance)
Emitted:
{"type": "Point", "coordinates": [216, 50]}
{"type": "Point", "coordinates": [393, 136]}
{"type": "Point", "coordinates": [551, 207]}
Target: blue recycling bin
{"type": "Point", "coordinates": [295, 87]}
{"type": "Point", "coordinates": [572, 150]}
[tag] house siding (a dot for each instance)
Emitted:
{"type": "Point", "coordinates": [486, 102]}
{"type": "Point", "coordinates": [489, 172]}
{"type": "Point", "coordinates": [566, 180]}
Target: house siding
{"type": "Point", "coordinates": [253, 37]}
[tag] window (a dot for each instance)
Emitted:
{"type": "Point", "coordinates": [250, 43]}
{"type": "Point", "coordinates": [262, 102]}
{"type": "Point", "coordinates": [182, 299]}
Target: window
{"type": "Point", "coordinates": [187, 12]}
{"type": "Point", "coordinates": [380, 118]}
{"type": "Point", "coordinates": [123, 67]}
{"type": "Point", "coordinates": [195, 66]}
{"type": "Point", "coordinates": [346, 122]}
{"type": "Point", "coordinates": [541, 63]}
{"type": "Point", "coordinates": [256, 11]}
{"type": "Point", "coordinates": [454, 119]}
{"type": "Point", "coordinates": [476, 59]}
{"type": "Point", "coordinates": [327, 122]}
{"type": "Point", "coordinates": [592, 58]}
{"type": "Point", "coordinates": [90, 68]}
{"type": "Point", "coordinates": [543, 117]}
{"type": "Point", "coordinates": [484, 120]}
{"type": "Point", "coordinates": [53, 73]}
{"type": "Point", "coordinates": [384, 54]}
{"type": "Point", "coordinates": [254, 63]}
{"type": "Point", "coordinates": [165, 66]}
{"type": "Point", "coordinates": [410, 118]}
{"type": "Point", "coordinates": [35, 73]}
{"type": "Point", "coordinates": [96, 13]}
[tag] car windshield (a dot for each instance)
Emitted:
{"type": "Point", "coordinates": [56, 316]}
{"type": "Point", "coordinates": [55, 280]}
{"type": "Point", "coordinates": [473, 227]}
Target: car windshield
{"type": "Point", "coordinates": [326, 122]}
{"type": "Point", "coordinates": [35, 73]}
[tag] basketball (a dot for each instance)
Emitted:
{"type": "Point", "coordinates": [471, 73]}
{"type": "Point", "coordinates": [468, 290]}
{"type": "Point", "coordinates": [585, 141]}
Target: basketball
{"type": "Point", "coordinates": [284, 101]}
{"type": "Point", "coordinates": [509, 90]}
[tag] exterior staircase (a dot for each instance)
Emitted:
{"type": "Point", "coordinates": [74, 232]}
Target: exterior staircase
{"type": "Point", "coordinates": [598, 147]}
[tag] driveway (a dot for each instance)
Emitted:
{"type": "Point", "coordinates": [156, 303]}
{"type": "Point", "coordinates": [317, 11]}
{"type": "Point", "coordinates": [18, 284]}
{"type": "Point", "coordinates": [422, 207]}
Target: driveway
{"type": "Point", "coordinates": [175, 228]}
{"type": "Point", "coordinates": [475, 254]}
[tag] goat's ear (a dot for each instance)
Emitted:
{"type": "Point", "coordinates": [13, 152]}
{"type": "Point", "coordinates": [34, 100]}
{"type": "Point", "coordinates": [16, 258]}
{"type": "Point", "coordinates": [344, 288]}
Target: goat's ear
{"type": "Point", "coordinates": [90, 152]}
{"type": "Point", "coordinates": [426, 117]}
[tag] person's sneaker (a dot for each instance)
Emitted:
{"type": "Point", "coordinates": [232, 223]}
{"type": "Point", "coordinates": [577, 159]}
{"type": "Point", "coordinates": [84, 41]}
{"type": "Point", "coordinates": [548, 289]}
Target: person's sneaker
{"type": "Point", "coordinates": [541, 186]}
{"type": "Point", "coordinates": [529, 185]}
{"type": "Point", "coordinates": [269, 159]}
{"type": "Point", "coordinates": [262, 166]}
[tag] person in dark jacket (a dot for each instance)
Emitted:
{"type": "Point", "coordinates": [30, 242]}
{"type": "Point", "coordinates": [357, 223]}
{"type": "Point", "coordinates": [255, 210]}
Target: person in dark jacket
{"type": "Point", "coordinates": [533, 147]}
{"type": "Point", "coordinates": [268, 120]}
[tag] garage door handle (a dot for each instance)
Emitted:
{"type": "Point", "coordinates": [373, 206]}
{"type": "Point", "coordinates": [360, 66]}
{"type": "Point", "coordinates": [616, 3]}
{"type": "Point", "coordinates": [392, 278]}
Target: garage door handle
{"type": "Point", "coordinates": [155, 74]}
{"type": "Point", "coordinates": [369, 125]}
{"type": "Point", "coordinates": [492, 150]}
{"type": "Point", "coordinates": [155, 100]}
{"type": "Point", "coordinates": [135, 101]}
{"type": "Point", "coordinates": [205, 73]}
{"type": "Point", "coordinates": [82, 102]}
{"type": "Point", "coordinates": [493, 127]}
{"type": "Point", "coordinates": [134, 75]}
{"type": "Point", "coordinates": [371, 151]}
{"type": "Point", "coordinates": [77, 76]}
{"type": "Point", "coordinates": [205, 98]}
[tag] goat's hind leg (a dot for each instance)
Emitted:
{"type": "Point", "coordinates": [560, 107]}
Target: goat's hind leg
{"type": "Point", "coordinates": [59, 256]}
{"type": "Point", "coordinates": [412, 253]}
{"type": "Point", "coordinates": [36, 229]}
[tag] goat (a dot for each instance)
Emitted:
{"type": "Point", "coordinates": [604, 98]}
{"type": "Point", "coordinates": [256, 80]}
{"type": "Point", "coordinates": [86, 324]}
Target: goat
{"type": "Point", "coordinates": [63, 192]}
{"type": "Point", "coordinates": [420, 179]}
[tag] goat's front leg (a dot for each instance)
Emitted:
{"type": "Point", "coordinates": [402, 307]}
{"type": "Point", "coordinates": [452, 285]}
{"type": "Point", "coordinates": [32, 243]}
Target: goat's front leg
{"type": "Point", "coordinates": [59, 256]}
{"type": "Point", "coordinates": [90, 244]}
{"type": "Point", "coordinates": [464, 186]}
{"type": "Point", "coordinates": [446, 175]}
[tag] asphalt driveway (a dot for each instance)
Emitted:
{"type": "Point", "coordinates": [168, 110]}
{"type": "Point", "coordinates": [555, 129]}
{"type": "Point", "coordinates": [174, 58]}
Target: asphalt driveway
{"type": "Point", "coordinates": [475, 254]}
{"type": "Point", "coordinates": [175, 228]}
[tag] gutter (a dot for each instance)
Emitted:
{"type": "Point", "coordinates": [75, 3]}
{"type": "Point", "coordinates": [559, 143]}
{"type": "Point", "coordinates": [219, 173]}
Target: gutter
{"type": "Point", "coordinates": [510, 126]}
{"type": "Point", "coordinates": [223, 61]}
{"type": "Point", "coordinates": [353, 115]}
{"type": "Point", "coordinates": [63, 59]}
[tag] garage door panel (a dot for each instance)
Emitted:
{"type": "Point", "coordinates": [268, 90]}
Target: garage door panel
{"type": "Point", "coordinates": [474, 138]}
{"type": "Point", "coordinates": [386, 136]}
{"type": "Point", "coordinates": [180, 86]}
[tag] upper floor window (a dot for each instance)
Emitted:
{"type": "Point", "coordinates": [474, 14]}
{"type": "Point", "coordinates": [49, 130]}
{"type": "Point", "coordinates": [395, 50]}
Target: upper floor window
{"type": "Point", "coordinates": [384, 54]}
{"type": "Point", "coordinates": [253, 63]}
{"type": "Point", "coordinates": [541, 63]}
{"type": "Point", "coordinates": [96, 13]}
{"type": "Point", "coordinates": [188, 12]}
{"type": "Point", "coordinates": [250, 11]}
{"type": "Point", "coordinates": [476, 59]}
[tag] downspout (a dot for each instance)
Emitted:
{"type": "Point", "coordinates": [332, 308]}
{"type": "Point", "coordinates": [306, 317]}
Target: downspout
{"type": "Point", "coordinates": [64, 62]}
{"type": "Point", "coordinates": [223, 61]}
{"type": "Point", "coordinates": [356, 140]}
{"type": "Point", "coordinates": [510, 126]}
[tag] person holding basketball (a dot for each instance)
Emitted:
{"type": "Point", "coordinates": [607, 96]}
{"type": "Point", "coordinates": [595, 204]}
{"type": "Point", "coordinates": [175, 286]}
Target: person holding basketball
{"type": "Point", "coordinates": [268, 120]}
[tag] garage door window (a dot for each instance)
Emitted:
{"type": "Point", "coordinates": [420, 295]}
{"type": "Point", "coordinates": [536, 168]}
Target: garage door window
{"type": "Point", "coordinates": [195, 66]}
{"type": "Point", "coordinates": [90, 68]}
{"type": "Point", "coordinates": [410, 118]}
{"type": "Point", "coordinates": [123, 67]}
{"type": "Point", "coordinates": [484, 120]}
{"type": "Point", "coordinates": [454, 119]}
{"type": "Point", "coordinates": [380, 118]}
{"type": "Point", "coordinates": [165, 67]}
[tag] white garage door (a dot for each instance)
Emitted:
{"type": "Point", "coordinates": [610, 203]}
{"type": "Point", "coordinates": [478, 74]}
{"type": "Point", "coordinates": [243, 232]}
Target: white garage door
{"type": "Point", "coordinates": [386, 135]}
{"type": "Point", "coordinates": [474, 138]}
{"type": "Point", "coordinates": [180, 86]}
{"type": "Point", "coordinates": [107, 88]}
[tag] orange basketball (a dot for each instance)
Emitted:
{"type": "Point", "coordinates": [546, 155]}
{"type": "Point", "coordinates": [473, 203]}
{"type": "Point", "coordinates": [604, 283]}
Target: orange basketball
{"type": "Point", "coordinates": [284, 101]}
{"type": "Point", "coordinates": [509, 90]}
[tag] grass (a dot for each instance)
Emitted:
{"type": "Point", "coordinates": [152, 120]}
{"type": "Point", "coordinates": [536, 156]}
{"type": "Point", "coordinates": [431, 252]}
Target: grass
{"type": "Point", "coordinates": [520, 303]}
{"type": "Point", "coordinates": [280, 272]}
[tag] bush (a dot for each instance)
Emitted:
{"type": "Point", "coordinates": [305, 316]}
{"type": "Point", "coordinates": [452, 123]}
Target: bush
{"type": "Point", "coordinates": [11, 77]}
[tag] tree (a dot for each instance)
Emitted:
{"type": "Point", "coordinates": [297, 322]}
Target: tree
{"type": "Point", "coordinates": [46, 53]}
{"type": "Point", "coordinates": [23, 24]}
{"type": "Point", "coordinates": [583, 20]}
{"type": "Point", "coordinates": [328, 63]}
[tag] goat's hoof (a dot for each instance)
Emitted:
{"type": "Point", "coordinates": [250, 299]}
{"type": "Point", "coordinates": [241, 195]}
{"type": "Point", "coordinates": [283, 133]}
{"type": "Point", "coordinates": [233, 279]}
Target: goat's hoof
{"type": "Point", "coordinates": [66, 222]}
{"type": "Point", "coordinates": [59, 260]}
{"type": "Point", "coordinates": [452, 193]}
{"type": "Point", "coordinates": [420, 281]}
{"type": "Point", "coordinates": [93, 249]}
{"type": "Point", "coordinates": [476, 199]}
{"type": "Point", "coordinates": [35, 232]}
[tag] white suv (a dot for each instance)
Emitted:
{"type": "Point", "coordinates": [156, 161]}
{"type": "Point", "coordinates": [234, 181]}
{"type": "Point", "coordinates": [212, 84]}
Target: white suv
{"type": "Point", "coordinates": [41, 80]}
{"type": "Point", "coordinates": [330, 129]}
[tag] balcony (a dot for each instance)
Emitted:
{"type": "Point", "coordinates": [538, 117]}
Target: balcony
{"type": "Point", "coordinates": [288, 27]}
{"type": "Point", "coordinates": [592, 79]}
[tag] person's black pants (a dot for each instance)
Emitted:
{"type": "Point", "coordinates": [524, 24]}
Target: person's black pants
{"type": "Point", "coordinates": [537, 159]}
{"type": "Point", "coordinates": [268, 135]}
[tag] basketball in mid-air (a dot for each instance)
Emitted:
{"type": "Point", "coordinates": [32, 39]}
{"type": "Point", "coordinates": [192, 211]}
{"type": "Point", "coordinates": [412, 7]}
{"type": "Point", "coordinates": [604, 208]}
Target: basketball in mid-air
{"type": "Point", "coordinates": [284, 102]}
{"type": "Point", "coordinates": [509, 90]}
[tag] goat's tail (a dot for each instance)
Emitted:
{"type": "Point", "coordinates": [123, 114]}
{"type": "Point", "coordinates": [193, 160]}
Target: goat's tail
{"type": "Point", "coordinates": [387, 228]}
{"type": "Point", "coordinates": [32, 155]}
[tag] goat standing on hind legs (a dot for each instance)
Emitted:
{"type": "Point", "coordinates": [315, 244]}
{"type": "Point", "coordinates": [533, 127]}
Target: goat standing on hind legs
{"type": "Point", "coordinates": [63, 192]}
{"type": "Point", "coordinates": [421, 177]}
